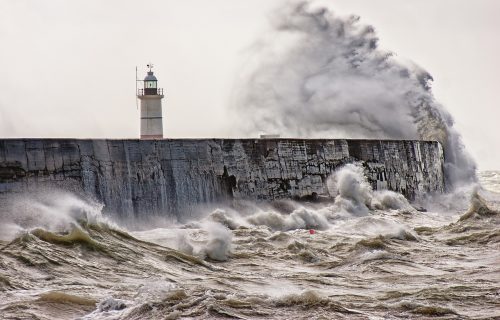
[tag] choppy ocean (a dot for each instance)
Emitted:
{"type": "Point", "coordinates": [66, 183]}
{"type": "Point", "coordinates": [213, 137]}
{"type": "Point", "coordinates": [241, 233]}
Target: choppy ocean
{"type": "Point", "coordinates": [366, 255]}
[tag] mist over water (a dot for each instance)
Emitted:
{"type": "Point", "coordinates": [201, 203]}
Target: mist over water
{"type": "Point", "coordinates": [318, 75]}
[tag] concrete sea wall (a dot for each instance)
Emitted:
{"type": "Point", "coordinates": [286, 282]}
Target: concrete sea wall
{"type": "Point", "coordinates": [172, 176]}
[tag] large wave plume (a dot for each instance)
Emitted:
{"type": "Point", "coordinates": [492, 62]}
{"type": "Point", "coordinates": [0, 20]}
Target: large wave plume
{"type": "Point", "coordinates": [320, 75]}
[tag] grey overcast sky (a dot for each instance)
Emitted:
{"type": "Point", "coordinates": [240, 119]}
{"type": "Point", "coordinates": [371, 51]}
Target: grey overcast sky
{"type": "Point", "coordinates": [68, 67]}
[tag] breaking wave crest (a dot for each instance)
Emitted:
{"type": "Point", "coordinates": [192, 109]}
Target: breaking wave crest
{"type": "Point", "coordinates": [51, 211]}
{"type": "Point", "coordinates": [353, 197]}
{"type": "Point", "coordinates": [478, 208]}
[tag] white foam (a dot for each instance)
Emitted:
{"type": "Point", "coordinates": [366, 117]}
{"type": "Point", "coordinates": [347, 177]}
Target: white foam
{"type": "Point", "coordinates": [218, 246]}
{"type": "Point", "coordinates": [54, 210]}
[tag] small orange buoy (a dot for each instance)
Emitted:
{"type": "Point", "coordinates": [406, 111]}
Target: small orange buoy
{"type": "Point", "coordinates": [311, 231]}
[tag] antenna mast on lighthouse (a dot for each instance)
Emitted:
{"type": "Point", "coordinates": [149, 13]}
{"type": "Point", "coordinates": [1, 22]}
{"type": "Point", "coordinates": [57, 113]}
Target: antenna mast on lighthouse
{"type": "Point", "coordinates": [136, 89]}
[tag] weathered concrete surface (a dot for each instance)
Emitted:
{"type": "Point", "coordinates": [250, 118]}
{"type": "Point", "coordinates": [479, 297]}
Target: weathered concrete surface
{"type": "Point", "coordinates": [170, 176]}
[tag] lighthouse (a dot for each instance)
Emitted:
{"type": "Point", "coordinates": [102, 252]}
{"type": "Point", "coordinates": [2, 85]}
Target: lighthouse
{"type": "Point", "coordinates": [151, 113]}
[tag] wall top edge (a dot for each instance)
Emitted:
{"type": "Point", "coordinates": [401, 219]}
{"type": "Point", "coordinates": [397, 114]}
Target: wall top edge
{"type": "Point", "coordinates": [216, 139]}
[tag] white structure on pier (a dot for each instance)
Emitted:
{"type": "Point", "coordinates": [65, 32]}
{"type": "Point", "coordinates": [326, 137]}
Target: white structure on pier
{"type": "Point", "coordinates": [151, 112]}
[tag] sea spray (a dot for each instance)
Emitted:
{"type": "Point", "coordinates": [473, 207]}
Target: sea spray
{"type": "Point", "coordinates": [316, 74]}
{"type": "Point", "coordinates": [52, 210]}
{"type": "Point", "coordinates": [352, 196]}
{"type": "Point", "coordinates": [301, 218]}
{"type": "Point", "coordinates": [203, 239]}
{"type": "Point", "coordinates": [354, 192]}
{"type": "Point", "coordinates": [218, 246]}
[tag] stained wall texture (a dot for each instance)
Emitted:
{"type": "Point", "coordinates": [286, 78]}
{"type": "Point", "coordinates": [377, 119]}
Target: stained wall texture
{"type": "Point", "coordinates": [172, 176]}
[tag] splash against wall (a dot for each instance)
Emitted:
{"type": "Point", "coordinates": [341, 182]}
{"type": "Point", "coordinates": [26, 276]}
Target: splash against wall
{"type": "Point", "coordinates": [320, 75]}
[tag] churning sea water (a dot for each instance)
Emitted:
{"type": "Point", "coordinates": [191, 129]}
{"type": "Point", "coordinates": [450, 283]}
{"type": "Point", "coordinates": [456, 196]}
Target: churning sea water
{"type": "Point", "coordinates": [365, 255]}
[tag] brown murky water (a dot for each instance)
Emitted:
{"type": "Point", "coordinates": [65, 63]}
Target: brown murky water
{"type": "Point", "coordinates": [376, 259]}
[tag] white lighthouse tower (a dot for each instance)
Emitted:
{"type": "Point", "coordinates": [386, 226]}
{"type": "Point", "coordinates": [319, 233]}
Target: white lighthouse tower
{"type": "Point", "coordinates": [151, 113]}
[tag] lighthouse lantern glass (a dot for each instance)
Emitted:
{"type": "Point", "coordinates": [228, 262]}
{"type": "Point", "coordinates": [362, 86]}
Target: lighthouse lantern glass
{"type": "Point", "coordinates": [150, 84]}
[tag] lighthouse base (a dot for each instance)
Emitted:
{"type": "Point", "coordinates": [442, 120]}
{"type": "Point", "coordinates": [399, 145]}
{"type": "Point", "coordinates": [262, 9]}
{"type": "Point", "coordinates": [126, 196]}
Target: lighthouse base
{"type": "Point", "coordinates": [151, 137]}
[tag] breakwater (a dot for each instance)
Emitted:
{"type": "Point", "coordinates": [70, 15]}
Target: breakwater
{"type": "Point", "coordinates": [172, 176]}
